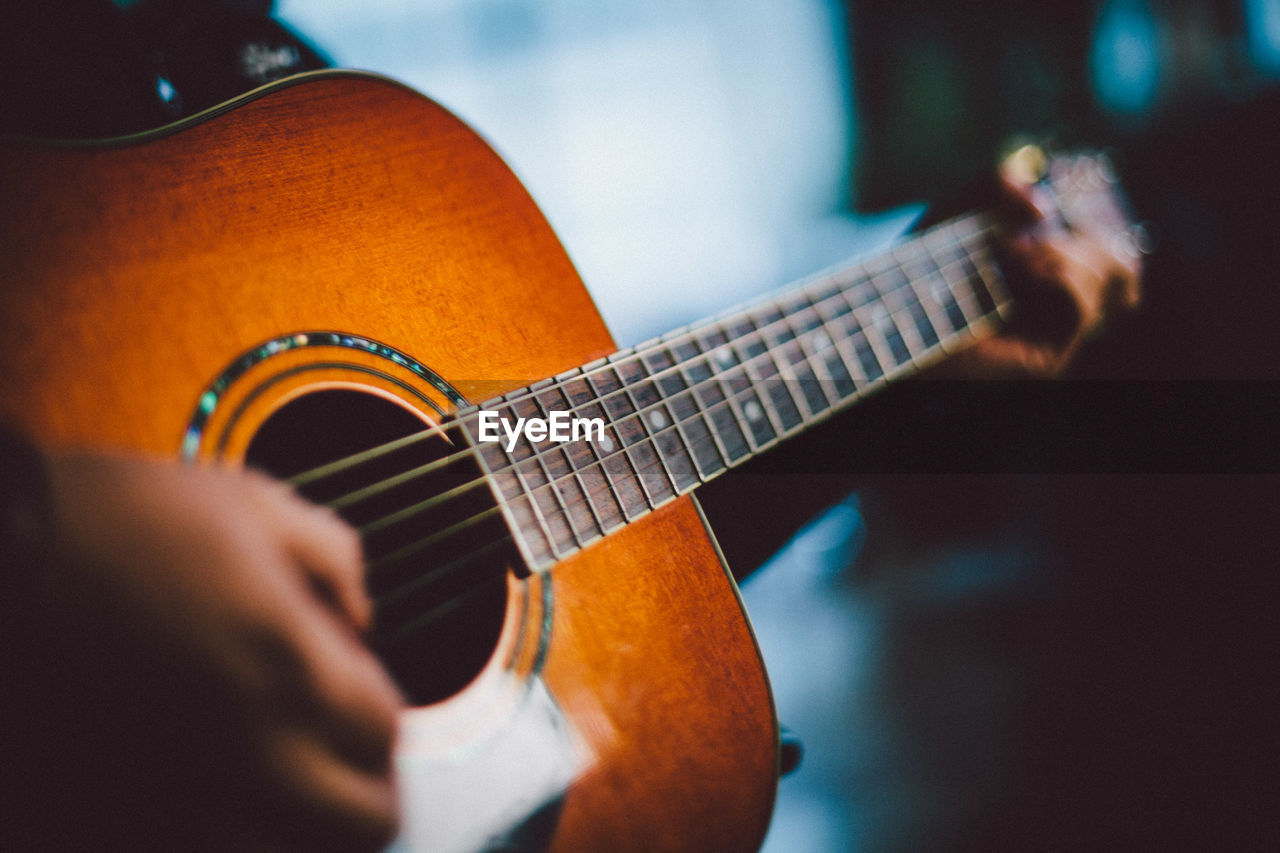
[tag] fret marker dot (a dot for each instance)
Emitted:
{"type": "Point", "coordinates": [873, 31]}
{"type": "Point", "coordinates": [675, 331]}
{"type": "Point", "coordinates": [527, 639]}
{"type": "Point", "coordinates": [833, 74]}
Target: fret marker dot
{"type": "Point", "coordinates": [657, 419]}
{"type": "Point", "coordinates": [606, 444]}
{"type": "Point", "coordinates": [752, 410]}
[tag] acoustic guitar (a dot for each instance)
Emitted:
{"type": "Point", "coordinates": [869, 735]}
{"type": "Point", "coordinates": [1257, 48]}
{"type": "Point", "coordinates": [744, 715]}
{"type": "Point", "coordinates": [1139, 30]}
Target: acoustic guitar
{"type": "Point", "coordinates": [334, 279]}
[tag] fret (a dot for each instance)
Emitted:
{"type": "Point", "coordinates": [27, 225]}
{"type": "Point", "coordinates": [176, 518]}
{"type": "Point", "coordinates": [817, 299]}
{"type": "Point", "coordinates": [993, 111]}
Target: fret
{"type": "Point", "coordinates": [524, 520]}
{"type": "Point", "coordinates": [657, 420]}
{"type": "Point", "coordinates": [837, 320]}
{"type": "Point", "coordinates": [681, 409]}
{"type": "Point", "coordinates": [687, 413]}
{"type": "Point", "coordinates": [697, 370]}
{"type": "Point", "coordinates": [712, 397]}
{"type": "Point", "coordinates": [978, 249]}
{"type": "Point", "coordinates": [814, 335]}
{"type": "Point", "coordinates": [795, 365]}
{"type": "Point", "coordinates": [773, 392]}
{"type": "Point", "coordinates": [608, 455]}
{"type": "Point", "coordinates": [947, 257]}
{"type": "Point", "coordinates": [883, 323]}
{"type": "Point", "coordinates": [764, 367]}
{"type": "Point", "coordinates": [546, 537]}
{"type": "Point", "coordinates": [899, 297]}
{"type": "Point", "coordinates": [631, 434]}
{"type": "Point", "coordinates": [572, 396]}
{"type": "Point", "coordinates": [932, 286]}
{"type": "Point", "coordinates": [921, 325]}
{"type": "Point", "coordinates": [837, 367]}
{"type": "Point", "coordinates": [864, 355]}
{"type": "Point", "coordinates": [560, 490]}
{"type": "Point", "coordinates": [866, 318]}
{"type": "Point", "coordinates": [736, 343]}
{"type": "Point", "coordinates": [746, 404]}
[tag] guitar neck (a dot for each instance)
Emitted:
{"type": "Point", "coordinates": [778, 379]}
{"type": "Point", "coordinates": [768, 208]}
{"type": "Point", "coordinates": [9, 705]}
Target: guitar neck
{"type": "Point", "coordinates": [680, 410]}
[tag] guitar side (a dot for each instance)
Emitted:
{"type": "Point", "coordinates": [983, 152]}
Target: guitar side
{"type": "Point", "coordinates": [135, 271]}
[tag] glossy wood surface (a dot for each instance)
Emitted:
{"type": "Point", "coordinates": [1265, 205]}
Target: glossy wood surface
{"type": "Point", "coordinates": [134, 272]}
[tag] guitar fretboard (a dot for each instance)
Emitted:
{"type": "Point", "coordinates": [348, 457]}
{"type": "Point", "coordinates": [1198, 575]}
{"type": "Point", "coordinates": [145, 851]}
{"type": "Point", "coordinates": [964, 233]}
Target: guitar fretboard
{"type": "Point", "coordinates": [686, 407]}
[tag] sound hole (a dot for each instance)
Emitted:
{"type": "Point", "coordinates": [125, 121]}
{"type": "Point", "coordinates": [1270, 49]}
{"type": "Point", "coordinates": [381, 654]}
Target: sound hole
{"type": "Point", "coordinates": [436, 548]}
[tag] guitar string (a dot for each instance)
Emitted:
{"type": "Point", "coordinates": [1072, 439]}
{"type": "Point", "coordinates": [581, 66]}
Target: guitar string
{"type": "Point", "coordinates": [718, 378]}
{"type": "Point", "coordinates": [337, 466]}
{"type": "Point", "coordinates": [656, 465]}
{"type": "Point", "coordinates": [586, 495]}
{"type": "Point", "coordinates": [642, 414]}
{"type": "Point", "coordinates": [704, 411]}
{"type": "Point", "coordinates": [440, 609]}
{"type": "Point", "coordinates": [435, 573]}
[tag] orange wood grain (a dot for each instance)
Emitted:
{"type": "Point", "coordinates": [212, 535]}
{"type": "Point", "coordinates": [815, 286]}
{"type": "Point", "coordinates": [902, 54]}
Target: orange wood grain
{"type": "Point", "coordinates": [133, 273]}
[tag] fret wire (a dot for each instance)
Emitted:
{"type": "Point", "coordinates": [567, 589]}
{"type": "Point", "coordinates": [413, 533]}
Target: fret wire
{"type": "Point", "coordinates": [896, 306]}
{"type": "Point", "coordinates": [903, 293]}
{"type": "Point", "coordinates": [732, 401]}
{"type": "Point", "coordinates": [785, 367]}
{"type": "Point", "coordinates": [832, 348]}
{"type": "Point", "coordinates": [728, 436]}
{"type": "Point", "coordinates": [536, 455]}
{"type": "Point", "coordinates": [641, 412]}
{"type": "Point", "coordinates": [560, 452]}
{"type": "Point", "coordinates": [838, 340]}
{"type": "Point", "coordinates": [516, 527]}
{"type": "Point", "coordinates": [963, 295]}
{"type": "Point", "coordinates": [649, 498]}
{"type": "Point", "coordinates": [611, 505]}
{"type": "Point", "coordinates": [962, 260]}
{"type": "Point", "coordinates": [663, 408]}
{"type": "Point", "coordinates": [720, 371]}
{"type": "Point", "coordinates": [862, 326]}
{"type": "Point", "coordinates": [884, 356]}
{"type": "Point", "coordinates": [923, 300]}
{"type": "Point", "coordinates": [646, 346]}
{"type": "Point", "coordinates": [939, 314]}
{"type": "Point", "coordinates": [553, 482]}
{"type": "Point", "coordinates": [690, 332]}
{"type": "Point", "coordinates": [674, 425]}
{"type": "Point", "coordinates": [735, 407]}
{"type": "Point", "coordinates": [809, 385]}
{"type": "Point", "coordinates": [855, 370]}
{"type": "Point", "coordinates": [609, 476]}
{"type": "Point", "coordinates": [805, 339]}
{"type": "Point", "coordinates": [663, 377]}
{"type": "Point", "coordinates": [768, 356]}
{"type": "Point", "coordinates": [860, 379]}
{"type": "Point", "coordinates": [717, 442]}
{"type": "Point", "coordinates": [523, 493]}
{"type": "Point", "coordinates": [988, 272]}
{"type": "Point", "coordinates": [766, 402]}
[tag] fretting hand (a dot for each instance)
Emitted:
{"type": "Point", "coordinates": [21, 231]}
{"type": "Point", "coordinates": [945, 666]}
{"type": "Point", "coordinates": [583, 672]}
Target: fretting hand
{"type": "Point", "coordinates": [1066, 281]}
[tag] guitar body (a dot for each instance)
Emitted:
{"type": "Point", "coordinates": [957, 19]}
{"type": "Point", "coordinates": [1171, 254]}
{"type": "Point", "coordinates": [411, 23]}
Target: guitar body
{"type": "Point", "coordinates": [166, 294]}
